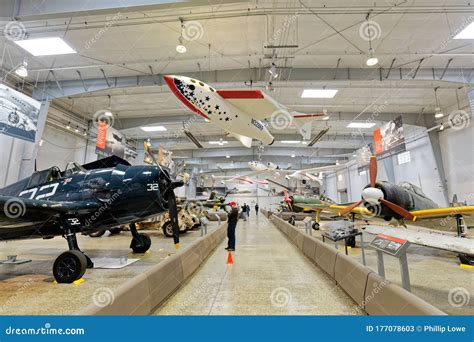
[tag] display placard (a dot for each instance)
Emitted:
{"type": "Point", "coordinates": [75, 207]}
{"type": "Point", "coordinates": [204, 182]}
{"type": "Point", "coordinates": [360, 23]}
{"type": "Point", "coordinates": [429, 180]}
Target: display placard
{"type": "Point", "coordinates": [18, 114]}
{"type": "Point", "coordinates": [389, 244]}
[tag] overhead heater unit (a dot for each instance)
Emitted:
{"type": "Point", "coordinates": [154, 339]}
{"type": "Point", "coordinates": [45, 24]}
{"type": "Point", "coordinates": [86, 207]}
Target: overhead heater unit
{"type": "Point", "coordinates": [193, 139]}
{"type": "Point", "coordinates": [318, 136]}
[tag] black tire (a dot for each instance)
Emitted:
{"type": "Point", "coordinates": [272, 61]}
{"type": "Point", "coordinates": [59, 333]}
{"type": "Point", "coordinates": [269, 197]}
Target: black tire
{"type": "Point", "coordinates": [97, 234]}
{"type": "Point", "coordinates": [351, 242]}
{"type": "Point", "coordinates": [140, 244]}
{"type": "Point", "coordinates": [115, 231]}
{"type": "Point", "coordinates": [168, 229]}
{"type": "Point", "coordinates": [69, 266]}
{"type": "Point", "coordinates": [316, 226]}
{"type": "Point", "coordinates": [466, 259]}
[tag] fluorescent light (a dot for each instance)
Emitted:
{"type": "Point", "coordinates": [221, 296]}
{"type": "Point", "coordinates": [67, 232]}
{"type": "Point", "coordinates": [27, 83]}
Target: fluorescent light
{"type": "Point", "coordinates": [45, 46]}
{"type": "Point", "coordinates": [361, 125]}
{"type": "Point", "coordinates": [227, 156]}
{"type": "Point", "coordinates": [291, 141]}
{"type": "Point", "coordinates": [371, 61]}
{"type": "Point", "coordinates": [439, 115]}
{"type": "Point", "coordinates": [219, 142]}
{"type": "Point", "coordinates": [293, 155]}
{"type": "Point", "coordinates": [153, 128]}
{"type": "Point", "coordinates": [304, 142]}
{"type": "Point", "coordinates": [466, 33]}
{"type": "Point", "coordinates": [319, 93]}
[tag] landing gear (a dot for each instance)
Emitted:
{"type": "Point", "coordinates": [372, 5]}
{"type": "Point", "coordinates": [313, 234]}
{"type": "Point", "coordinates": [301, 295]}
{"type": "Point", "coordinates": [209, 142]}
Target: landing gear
{"type": "Point", "coordinates": [168, 229]}
{"type": "Point", "coordinates": [461, 232]}
{"type": "Point", "coordinates": [71, 265]}
{"type": "Point", "coordinates": [140, 242]}
{"type": "Point", "coordinates": [115, 231]}
{"type": "Point", "coordinates": [316, 226]}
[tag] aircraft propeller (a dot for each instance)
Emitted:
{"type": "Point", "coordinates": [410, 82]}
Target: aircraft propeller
{"type": "Point", "coordinates": [171, 197]}
{"type": "Point", "coordinates": [374, 195]}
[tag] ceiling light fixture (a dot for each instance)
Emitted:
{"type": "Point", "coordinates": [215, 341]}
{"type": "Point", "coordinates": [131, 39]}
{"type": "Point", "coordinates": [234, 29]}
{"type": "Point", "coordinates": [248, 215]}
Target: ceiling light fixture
{"type": "Point", "coordinates": [219, 142]}
{"type": "Point", "coordinates": [318, 93]}
{"type": "Point", "coordinates": [273, 70]}
{"type": "Point", "coordinates": [466, 33]}
{"type": "Point", "coordinates": [293, 155]}
{"type": "Point", "coordinates": [21, 69]}
{"type": "Point", "coordinates": [441, 127]}
{"type": "Point", "coordinates": [180, 48]}
{"type": "Point", "coordinates": [153, 128]}
{"type": "Point", "coordinates": [438, 113]}
{"type": "Point", "coordinates": [291, 141]}
{"type": "Point", "coordinates": [68, 126]}
{"type": "Point", "coordinates": [46, 46]}
{"type": "Point", "coordinates": [77, 129]}
{"type": "Point", "coordinates": [372, 60]}
{"type": "Point", "coordinates": [227, 156]}
{"type": "Point", "coordinates": [361, 125]}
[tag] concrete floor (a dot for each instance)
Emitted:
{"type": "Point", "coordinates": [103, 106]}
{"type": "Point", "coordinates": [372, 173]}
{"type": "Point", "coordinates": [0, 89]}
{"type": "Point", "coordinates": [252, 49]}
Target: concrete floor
{"type": "Point", "coordinates": [29, 289]}
{"type": "Point", "coordinates": [270, 276]}
{"type": "Point", "coordinates": [434, 274]}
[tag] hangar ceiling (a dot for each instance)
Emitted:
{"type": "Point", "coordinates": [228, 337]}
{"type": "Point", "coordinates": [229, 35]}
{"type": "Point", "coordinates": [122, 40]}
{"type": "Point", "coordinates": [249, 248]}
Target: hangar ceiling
{"type": "Point", "coordinates": [124, 50]}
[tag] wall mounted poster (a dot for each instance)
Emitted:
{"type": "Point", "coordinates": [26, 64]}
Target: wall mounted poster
{"type": "Point", "coordinates": [389, 139]}
{"type": "Point", "coordinates": [18, 114]}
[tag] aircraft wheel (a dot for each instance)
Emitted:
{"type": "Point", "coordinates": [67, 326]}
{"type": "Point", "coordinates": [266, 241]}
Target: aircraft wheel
{"type": "Point", "coordinates": [115, 231]}
{"type": "Point", "coordinates": [168, 229]}
{"type": "Point", "coordinates": [292, 221]}
{"type": "Point", "coordinates": [316, 226]}
{"type": "Point", "coordinates": [466, 259]}
{"type": "Point", "coordinates": [97, 234]}
{"type": "Point", "coordinates": [141, 243]}
{"type": "Point", "coordinates": [69, 266]}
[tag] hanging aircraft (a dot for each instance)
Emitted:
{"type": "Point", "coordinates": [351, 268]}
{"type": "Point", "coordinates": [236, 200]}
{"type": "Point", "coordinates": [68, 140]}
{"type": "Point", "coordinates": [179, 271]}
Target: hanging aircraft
{"type": "Point", "coordinates": [86, 199]}
{"type": "Point", "coordinates": [240, 179]}
{"type": "Point", "coordinates": [239, 112]}
{"type": "Point", "coordinates": [406, 202]}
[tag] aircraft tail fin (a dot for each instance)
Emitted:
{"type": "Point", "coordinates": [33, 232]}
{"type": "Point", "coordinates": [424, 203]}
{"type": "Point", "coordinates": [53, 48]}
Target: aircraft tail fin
{"type": "Point", "coordinates": [246, 141]}
{"type": "Point", "coordinates": [304, 122]}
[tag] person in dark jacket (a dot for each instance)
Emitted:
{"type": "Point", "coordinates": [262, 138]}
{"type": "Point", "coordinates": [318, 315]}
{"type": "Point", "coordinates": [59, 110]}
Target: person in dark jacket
{"type": "Point", "coordinates": [232, 218]}
{"type": "Point", "coordinates": [244, 212]}
{"type": "Point", "coordinates": [256, 209]}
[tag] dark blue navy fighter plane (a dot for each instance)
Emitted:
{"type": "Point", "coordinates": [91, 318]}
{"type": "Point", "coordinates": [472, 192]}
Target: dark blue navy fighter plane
{"type": "Point", "coordinates": [86, 199]}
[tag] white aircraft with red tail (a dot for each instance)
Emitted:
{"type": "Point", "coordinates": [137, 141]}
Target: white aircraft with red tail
{"type": "Point", "coordinates": [239, 112]}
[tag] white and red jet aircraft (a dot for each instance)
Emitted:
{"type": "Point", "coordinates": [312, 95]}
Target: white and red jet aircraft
{"type": "Point", "coordinates": [239, 112]}
{"type": "Point", "coordinates": [240, 179]}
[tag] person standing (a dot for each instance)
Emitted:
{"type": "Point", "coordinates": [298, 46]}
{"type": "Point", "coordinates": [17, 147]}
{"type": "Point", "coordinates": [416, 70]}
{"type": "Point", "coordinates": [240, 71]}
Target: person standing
{"type": "Point", "coordinates": [256, 209]}
{"type": "Point", "coordinates": [244, 211]}
{"type": "Point", "coordinates": [248, 211]}
{"type": "Point", "coordinates": [232, 219]}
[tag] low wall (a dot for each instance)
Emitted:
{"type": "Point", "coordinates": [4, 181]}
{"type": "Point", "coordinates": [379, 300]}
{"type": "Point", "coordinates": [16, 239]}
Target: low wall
{"type": "Point", "coordinates": [373, 294]}
{"type": "Point", "coordinates": [144, 293]}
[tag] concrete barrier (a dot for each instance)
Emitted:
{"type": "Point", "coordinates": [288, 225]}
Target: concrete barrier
{"type": "Point", "coordinates": [373, 294]}
{"type": "Point", "coordinates": [145, 292]}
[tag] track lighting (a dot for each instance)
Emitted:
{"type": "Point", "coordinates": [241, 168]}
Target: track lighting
{"type": "Point", "coordinates": [68, 126]}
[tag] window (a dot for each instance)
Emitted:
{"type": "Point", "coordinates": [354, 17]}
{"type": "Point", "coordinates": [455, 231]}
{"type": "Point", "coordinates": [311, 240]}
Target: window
{"type": "Point", "coordinates": [403, 157]}
{"type": "Point", "coordinates": [362, 173]}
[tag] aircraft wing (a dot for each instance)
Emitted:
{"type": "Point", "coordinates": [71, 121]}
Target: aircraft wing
{"type": "Point", "coordinates": [320, 168]}
{"type": "Point", "coordinates": [18, 211]}
{"type": "Point", "coordinates": [426, 237]}
{"type": "Point", "coordinates": [336, 208]}
{"type": "Point", "coordinates": [253, 102]}
{"type": "Point", "coordinates": [443, 212]}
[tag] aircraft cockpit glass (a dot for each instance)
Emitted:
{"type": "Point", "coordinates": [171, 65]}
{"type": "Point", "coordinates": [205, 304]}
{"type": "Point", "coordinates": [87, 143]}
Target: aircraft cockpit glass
{"type": "Point", "coordinates": [413, 188]}
{"type": "Point", "coordinates": [44, 176]}
{"type": "Point", "coordinates": [73, 168]}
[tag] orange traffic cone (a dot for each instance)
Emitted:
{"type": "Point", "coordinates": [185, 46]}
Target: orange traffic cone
{"type": "Point", "coordinates": [230, 261]}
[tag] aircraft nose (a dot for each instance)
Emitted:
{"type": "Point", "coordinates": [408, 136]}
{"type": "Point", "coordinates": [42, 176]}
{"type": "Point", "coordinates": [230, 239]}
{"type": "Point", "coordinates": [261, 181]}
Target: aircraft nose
{"type": "Point", "coordinates": [372, 195]}
{"type": "Point", "coordinates": [169, 79]}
